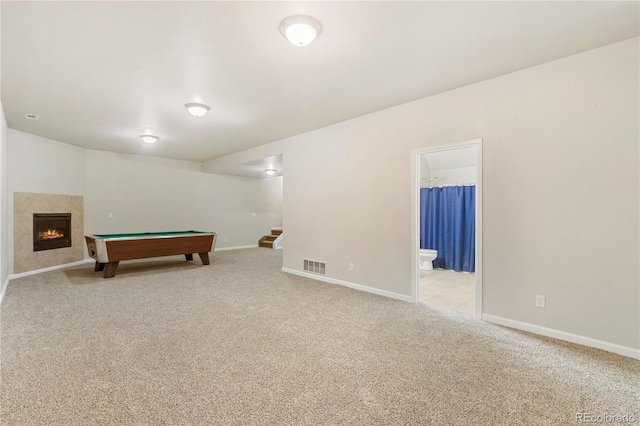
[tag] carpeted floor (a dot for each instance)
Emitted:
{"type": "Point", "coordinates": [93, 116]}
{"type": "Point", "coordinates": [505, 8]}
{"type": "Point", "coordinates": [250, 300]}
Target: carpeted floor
{"type": "Point", "coordinates": [240, 342]}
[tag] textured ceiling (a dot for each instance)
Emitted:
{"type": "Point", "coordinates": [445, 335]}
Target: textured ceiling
{"type": "Point", "coordinates": [98, 74]}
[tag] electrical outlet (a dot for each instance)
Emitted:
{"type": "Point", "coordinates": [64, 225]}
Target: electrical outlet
{"type": "Point", "coordinates": [110, 214]}
{"type": "Point", "coordinates": [351, 266]}
{"type": "Point", "coordinates": [224, 240]}
{"type": "Point", "coordinates": [541, 302]}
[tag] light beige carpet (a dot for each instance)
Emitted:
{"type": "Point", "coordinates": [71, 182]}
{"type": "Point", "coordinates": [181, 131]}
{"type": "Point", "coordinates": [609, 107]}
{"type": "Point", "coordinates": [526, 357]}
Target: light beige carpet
{"type": "Point", "coordinates": [240, 342]}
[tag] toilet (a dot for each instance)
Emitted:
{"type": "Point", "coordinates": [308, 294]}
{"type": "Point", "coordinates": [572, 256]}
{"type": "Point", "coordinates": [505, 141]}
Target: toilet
{"type": "Point", "coordinates": [427, 257]}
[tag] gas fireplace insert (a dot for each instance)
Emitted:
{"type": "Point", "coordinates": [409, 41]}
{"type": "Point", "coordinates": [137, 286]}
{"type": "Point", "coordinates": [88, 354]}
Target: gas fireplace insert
{"type": "Point", "coordinates": [51, 231]}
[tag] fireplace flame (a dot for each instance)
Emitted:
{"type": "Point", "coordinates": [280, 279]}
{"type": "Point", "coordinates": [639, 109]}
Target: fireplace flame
{"type": "Point", "coordinates": [50, 234]}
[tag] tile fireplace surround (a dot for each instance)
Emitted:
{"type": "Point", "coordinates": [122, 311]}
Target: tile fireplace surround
{"type": "Point", "coordinates": [25, 204]}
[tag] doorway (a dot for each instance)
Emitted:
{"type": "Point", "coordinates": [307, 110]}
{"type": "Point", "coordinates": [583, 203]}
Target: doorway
{"type": "Point", "coordinates": [439, 174]}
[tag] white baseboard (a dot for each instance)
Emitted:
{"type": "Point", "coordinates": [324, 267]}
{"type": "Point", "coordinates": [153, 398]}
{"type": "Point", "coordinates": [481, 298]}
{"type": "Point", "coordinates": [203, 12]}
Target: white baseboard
{"type": "Point", "coordinates": [81, 262]}
{"type": "Point", "coordinates": [562, 335]}
{"type": "Point", "coordinates": [235, 248]}
{"type": "Point", "coordinates": [4, 288]}
{"type": "Point", "coordinates": [50, 268]}
{"type": "Point", "coordinates": [39, 271]}
{"type": "Point", "coordinates": [360, 287]}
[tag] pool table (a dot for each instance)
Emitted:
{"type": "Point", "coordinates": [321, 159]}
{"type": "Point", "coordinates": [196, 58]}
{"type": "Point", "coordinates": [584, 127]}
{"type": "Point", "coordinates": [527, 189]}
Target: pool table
{"type": "Point", "coordinates": [109, 249]}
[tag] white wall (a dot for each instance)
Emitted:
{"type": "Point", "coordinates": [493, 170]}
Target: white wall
{"type": "Point", "coordinates": [273, 188]}
{"type": "Point", "coordinates": [4, 204]}
{"type": "Point", "coordinates": [147, 197]}
{"type": "Point", "coordinates": [38, 164]}
{"type": "Point", "coordinates": [550, 226]}
{"type": "Point", "coordinates": [143, 194]}
{"type": "Point", "coordinates": [42, 165]}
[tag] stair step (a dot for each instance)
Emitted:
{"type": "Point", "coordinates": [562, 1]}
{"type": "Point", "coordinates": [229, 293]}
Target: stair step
{"type": "Point", "coordinates": [267, 241]}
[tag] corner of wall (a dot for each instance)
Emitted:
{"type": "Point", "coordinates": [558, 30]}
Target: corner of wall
{"type": "Point", "coordinates": [4, 204]}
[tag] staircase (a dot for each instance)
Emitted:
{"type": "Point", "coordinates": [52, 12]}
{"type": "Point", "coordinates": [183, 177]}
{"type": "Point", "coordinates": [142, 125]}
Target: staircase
{"type": "Point", "coordinates": [272, 241]}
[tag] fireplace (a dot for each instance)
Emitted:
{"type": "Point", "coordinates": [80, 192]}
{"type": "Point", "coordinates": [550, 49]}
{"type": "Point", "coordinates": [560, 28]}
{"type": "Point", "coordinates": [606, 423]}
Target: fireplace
{"type": "Point", "coordinates": [51, 231]}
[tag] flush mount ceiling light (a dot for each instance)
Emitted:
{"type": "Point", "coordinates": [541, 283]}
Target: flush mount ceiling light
{"type": "Point", "coordinates": [270, 172]}
{"type": "Point", "coordinates": [149, 139]}
{"type": "Point", "coordinates": [197, 110]}
{"type": "Point", "coordinates": [300, 30]}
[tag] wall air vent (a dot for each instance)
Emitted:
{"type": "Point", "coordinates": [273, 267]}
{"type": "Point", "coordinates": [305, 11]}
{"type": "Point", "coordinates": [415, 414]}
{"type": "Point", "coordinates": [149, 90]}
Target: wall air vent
{"type": "Point", "coordinates": [31, 117]}
{"type": "Point", "coordinates": [315, 267]}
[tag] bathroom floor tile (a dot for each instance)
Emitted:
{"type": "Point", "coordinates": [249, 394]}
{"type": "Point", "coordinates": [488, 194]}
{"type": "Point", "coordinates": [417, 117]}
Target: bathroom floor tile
{"type": "Point", "coordinates": [465, 310]}
{"type": "Point", "coordinates": [449, 290]}
{"type": "Point", "coordinates": [426, 293]}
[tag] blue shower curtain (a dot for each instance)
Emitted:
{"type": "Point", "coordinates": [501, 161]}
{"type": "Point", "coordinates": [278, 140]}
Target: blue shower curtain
{"type": "Point", "coordinates": [448, 224]}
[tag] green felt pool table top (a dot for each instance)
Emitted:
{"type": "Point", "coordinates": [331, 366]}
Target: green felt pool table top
{"type": "Point", "coordinates": [149, 234]}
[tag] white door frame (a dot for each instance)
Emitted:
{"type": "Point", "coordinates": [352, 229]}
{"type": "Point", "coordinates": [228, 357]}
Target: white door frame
{"type": "Point", "coordinates": [415, 215]}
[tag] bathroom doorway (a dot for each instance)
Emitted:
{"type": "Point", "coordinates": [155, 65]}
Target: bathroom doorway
{"type": "Point", "coordinates": [447, 256]}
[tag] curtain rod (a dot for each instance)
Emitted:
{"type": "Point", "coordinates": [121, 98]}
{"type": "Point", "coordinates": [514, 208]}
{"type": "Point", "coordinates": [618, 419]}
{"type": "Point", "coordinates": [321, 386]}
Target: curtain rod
{"type": "Point", "coordinates": [449, 184]}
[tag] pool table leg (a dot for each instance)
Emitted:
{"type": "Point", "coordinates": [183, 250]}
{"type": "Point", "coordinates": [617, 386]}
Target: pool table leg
{"type": "Point", "coordinates": [99, 266]}
{"type": "Point", "coordinates": [189, 256]}
{"type": "Point", "coordinates": [204, 257]}
{"type": "Point", "coordinates": [110, 270]}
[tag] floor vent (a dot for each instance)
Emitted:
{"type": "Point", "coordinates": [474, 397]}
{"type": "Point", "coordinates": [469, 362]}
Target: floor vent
{"type": "Point", "coordinates": [315, 267]}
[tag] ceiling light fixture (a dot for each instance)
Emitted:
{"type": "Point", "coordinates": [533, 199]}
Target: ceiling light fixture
{"type": "Point", "coordinates": [149, 139]}
{"type": "Point", "coordinates": [197, 110]}
{"type": "Point", "coordinates": [270, 172]}
{"type": "Point", "coordinates": [300, 30]}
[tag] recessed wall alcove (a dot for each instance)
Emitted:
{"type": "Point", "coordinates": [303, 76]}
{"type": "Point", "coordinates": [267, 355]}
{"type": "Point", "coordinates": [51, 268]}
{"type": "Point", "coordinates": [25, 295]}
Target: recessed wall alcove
{"type": "Point", "coordinates": [25, 205]}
